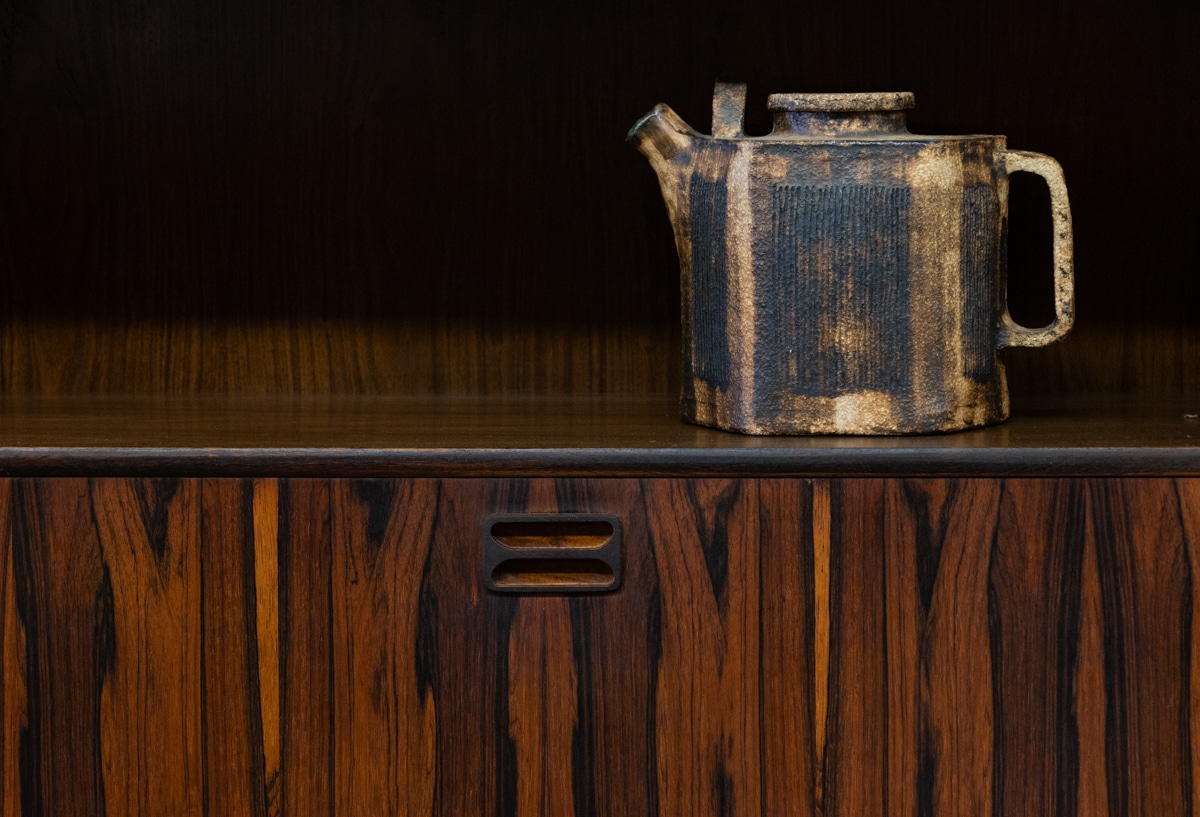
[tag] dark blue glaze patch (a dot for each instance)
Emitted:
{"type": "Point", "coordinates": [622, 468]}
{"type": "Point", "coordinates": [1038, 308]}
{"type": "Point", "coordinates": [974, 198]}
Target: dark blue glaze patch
{"type": "Point", "coordinates": [834, 298]}
{"type": "Point", "coordinates": [977, 268]}
{"type": "Point", "coordinates": [710, 287]}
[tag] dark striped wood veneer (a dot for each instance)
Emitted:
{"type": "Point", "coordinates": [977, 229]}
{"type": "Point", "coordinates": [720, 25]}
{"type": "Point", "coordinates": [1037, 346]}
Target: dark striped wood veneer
{"type": "Point", "coordinates": [841, 647]}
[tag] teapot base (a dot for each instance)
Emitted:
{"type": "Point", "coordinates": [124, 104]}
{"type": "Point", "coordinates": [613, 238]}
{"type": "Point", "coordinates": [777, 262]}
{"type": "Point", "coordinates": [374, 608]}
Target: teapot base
{"type": "Point", "coordinates": [858, 414]}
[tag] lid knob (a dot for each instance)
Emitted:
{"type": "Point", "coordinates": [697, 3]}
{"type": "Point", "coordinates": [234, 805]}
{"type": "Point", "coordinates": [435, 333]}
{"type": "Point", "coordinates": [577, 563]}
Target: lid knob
{"type": "Point", "coordinates": [840, 115]}
{"type": "Point", "coordinates": [841, 103]}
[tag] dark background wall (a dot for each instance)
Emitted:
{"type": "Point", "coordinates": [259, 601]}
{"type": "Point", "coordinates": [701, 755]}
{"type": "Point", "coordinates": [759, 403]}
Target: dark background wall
{"type": "Point", "coordinates": [322, 196]}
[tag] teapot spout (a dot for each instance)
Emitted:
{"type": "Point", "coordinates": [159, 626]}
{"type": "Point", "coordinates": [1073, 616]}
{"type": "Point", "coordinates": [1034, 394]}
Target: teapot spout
{"type": "Point", "coordinates": [661, 136]}
{"type": "Point", "coordinates": [667, 141]}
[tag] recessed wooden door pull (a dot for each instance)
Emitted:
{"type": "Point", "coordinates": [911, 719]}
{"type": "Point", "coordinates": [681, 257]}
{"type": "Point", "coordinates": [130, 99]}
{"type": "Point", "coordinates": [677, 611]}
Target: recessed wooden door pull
{"type": "Point", "coordinates": [552, 553]}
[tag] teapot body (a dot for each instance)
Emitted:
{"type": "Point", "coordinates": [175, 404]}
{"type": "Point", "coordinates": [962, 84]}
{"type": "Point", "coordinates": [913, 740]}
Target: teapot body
{"type": "Point", "coordinates": [844, 284]}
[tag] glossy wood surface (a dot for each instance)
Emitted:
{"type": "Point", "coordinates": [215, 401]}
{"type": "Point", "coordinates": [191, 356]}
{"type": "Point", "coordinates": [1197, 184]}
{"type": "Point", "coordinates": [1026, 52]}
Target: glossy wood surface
{"type": "Point", "coordinates": [362, 197]}
{"type": "Point", "coordinates": [602, 436]}
{"type": "Point", "coordinates": [779, 646]}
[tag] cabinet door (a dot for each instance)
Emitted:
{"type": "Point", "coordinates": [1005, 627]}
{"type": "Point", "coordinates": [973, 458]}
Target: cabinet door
{"type": "Point", "coordinates": [130, 648]}
{"type": "Point", "coordinates": [782, 646]}
{"type": "Point", "coordinates": [673, 695]}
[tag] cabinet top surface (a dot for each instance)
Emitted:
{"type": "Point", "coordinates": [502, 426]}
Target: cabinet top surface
{"type": "Point", "coordinates": [599, 436]}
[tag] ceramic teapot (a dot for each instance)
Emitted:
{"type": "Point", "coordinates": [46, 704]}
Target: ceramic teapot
{"type": "Point", "coordinates": [841, 275]}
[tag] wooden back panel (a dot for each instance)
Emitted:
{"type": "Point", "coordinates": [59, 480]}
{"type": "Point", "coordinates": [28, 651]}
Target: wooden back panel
{"type": "Point", "coordinates": [357, 198]}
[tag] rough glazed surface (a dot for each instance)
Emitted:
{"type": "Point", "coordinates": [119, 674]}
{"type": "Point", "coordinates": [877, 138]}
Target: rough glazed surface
{"type": "Point", "coordinates": [884, 101]}
{"type": "Point", "coordinates": [841, 276]}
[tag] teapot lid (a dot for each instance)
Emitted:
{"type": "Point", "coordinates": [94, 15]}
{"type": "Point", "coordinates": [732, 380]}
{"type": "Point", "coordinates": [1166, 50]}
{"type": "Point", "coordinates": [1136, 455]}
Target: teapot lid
{"type": "Point", "coordinates": [841, 103]}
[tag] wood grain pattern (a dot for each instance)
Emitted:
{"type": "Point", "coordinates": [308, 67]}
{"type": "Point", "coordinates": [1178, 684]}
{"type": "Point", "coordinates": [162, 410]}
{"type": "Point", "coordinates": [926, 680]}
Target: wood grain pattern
{"type": "Point", "coordinates": [613, 756]}
{"type": "Point", "coordinates": [822, 541]}
{"type": "Point", "coordinates": [386, 714]}
{"type": "Point", "coordinates": [855, 766]}
{"type": "Point", "coordinates": [1189, 507]}
{"type": "Point", "coordinates": [1147, 591]}
{"type": "Point", "coordinates": [110, 569]}
{"type": "Point", "coordinates": [704, 538]}
{"type": "Point", "coordinates": [543, 696]}
{"type": "Point", "coordinates": [306, 715]}
{"type": "Point", "coordinates": [463, 650]}
{"type": "Point", "coordinates": [940, 720]}
{"type": "Point", "coordinates": [150, 693]}
{"type": "Point", "coordinates": [265, 521]}
{"type": "Point", "coordinates": [542, 700]}
{"type": "Point", "coordinates": [955, 688]}
{"type": "Point", "coordinates": [236, 749]}
{"type": "Point", "coordinates": [778, 646]}
{"type": "Point", "coordinates": [65, 598]}
{"type": "Point", "coordinates": [1034, 602]}
{"type": "Point", "coordinates": [1091, 697]}
{"type": "Point", "coordinates": [794, 628]}
{"type": "Point", "coordinates": [12, 668]}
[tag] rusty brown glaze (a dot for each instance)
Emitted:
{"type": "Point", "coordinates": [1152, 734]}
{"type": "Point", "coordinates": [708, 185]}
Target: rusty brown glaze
{"type": "Point", "coordinates": [841, 275]}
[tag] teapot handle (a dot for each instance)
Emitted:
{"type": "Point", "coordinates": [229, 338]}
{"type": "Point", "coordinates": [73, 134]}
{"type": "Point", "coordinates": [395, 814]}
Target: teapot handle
{"type": "Point", "coordinates": [1012, 333]}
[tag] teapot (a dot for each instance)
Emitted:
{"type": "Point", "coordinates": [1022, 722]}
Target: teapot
{"type": "Point", "coordinates": [841, 275]}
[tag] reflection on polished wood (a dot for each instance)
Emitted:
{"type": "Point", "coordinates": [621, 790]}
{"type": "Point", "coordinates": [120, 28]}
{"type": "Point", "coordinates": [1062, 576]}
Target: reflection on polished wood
{"type": "Point", "coordinates": [598, 436]}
